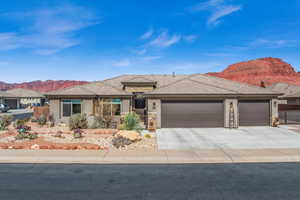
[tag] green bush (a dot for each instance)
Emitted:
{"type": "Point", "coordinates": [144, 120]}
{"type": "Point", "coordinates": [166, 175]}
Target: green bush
{"type": "Point", "coordinates": [78, 121]}
{"type": "Point", "coordinates": [20, 122]}
{"type": "Point", "coordinates": [5, 121]}
{"type": "Point", "coordinates": [131, 122]}
{"type": "Point", "coordinates": [98, 122]}
{"type": "Point", "coordinates": [42, 120]}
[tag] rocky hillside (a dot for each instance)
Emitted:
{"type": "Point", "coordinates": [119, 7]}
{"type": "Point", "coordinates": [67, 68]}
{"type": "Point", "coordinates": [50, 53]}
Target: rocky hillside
{"type": "Point", "coordinates": [268, 70]}
{"type": "Point", "coordinates": [41, 86]}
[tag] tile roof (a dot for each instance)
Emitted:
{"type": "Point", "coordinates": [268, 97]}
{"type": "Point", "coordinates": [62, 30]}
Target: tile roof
{"type": "Point", "coordinates": [205, 84]}
{"type": "Point", "coordinates": [5, 94]}
{"type": "Point", "coordinates": [166, 84]}
{"type": "Point", "coordinates": [21, 92]}
{"type": "Point", "coordinates": [289, 90]}
{"type": "Point", "coordinates": [92, 89]}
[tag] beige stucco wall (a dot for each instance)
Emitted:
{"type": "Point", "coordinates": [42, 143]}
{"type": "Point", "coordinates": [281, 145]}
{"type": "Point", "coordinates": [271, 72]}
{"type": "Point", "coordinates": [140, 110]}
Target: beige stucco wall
{"type": "Point", "coordinates": [55, 109]}
{"type": "Point", "coordinates": [125, 106]}
{"type": "Point", "coordinates": [155, 110]}
{"type": "Point", "coordinates": [87, 107]}
{"type": "Point", "coordinates": [227, 103]}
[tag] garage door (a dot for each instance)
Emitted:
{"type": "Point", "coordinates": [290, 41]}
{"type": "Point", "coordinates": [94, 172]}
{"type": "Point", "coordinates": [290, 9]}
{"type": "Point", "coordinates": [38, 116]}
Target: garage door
{"type": "Point", "coordinates": [12, 103]}
{"type": "Point", "coordinates": [254, 113]}
{"type": "Point", "coordinates": [187, 114]}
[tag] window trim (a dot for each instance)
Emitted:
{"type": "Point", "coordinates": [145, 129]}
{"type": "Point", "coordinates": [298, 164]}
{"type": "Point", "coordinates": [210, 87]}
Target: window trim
{"type": "Point", "coordinates": [111, 103]}
{"type": "Point", "coordinates": [70, 103]}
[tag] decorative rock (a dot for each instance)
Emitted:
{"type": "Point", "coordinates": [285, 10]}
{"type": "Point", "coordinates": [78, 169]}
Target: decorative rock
{"type": "Point", "coordinates": [131, 135]}
{"type": "Point", "coordinates": [4, 147]}
{"type": "Point", "coordinates": [35, 147]}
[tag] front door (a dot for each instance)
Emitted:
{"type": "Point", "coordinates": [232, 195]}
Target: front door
{"type": "Point", "coordinates": [139, 106]}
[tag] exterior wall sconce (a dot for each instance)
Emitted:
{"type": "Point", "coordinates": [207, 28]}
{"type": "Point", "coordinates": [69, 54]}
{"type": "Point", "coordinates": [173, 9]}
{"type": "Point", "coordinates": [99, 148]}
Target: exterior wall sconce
{"type": "Point", "coordinates": [153, 106]}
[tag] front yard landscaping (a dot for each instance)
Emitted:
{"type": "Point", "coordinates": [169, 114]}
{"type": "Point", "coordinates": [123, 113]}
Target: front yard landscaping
{"type": "Point", "coordinates": [38, 134]}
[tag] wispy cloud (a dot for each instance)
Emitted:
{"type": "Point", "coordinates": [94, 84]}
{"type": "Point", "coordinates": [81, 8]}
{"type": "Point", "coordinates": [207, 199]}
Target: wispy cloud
{"type": "Point", "coordinates": [217, 8]}
{"type": "Point", "coordinates": [147, 35]}
{"type": "Point", "coordinates": [190, 38]}
{"type": "Point", "coordinates": [122, 63]}
{"type": "Point", "coordinates": [165, 40]}
{"type": "Point", "coordinates": [268, 43]}
{"type": "Point", "coordinates": [51, 30]}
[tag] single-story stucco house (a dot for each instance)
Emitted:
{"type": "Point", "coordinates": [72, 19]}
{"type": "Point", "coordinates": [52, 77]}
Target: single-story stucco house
{"type": "Point", "coordinates": [21, 98]}
{"type": "Point", "coordinates": [170, 101]}
{"type": "Point", "coordinates": [289, 104]}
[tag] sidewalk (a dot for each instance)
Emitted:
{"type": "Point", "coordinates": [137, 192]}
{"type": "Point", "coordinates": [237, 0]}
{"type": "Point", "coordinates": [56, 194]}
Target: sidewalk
{"type": "Point", "coordinates": [155, 157]}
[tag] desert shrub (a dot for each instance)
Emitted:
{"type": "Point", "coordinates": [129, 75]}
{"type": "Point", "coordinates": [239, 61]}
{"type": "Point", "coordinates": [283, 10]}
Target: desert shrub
{"type": "Point", "coordinates": [120, 141]}
{"type": "Point", "coordinates": [5, 121]}
{"type": "Point", "coordinates": [23, 133]}
{"type": "Point", "coordinates": [78, 121]}
{"type": "Point", "coordinates": [22, 136]}
{"type": "Point", "coordinates": [98, 122]}
{"type": "Point", "coordinates": [20, 122]}
{"type": "Point", "coordinates": [34, 120]}
{"type": "Point", "coordinates": [77, 133]}
{"type": "Point", "coordinates": [131, 122]}
{"type": "Point", "coordinates": [147, 136]}
{"type": "Point", "coordinates": [42, 120]}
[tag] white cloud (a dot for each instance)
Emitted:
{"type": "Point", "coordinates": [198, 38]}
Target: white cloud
{"type": "Point", "coordinates": [274, 43]}
{"type": "Point", "coordinates": [190, 38]}
{"type": "Point", "coordinates": [165, 40]}
{"type": "Point", "coordinates": [217, 8]}
{"type": "Point", "coordinates": [147, 35]}
{"type": "Point", "coordinates": [150, 58]}
{"type": "Point", "coordinates": [51, 30]}
{"type": "Point", "coordinates": [122, 63]}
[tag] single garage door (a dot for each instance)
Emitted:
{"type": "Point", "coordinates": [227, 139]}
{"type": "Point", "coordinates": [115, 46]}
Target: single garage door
{"type": "Point", "coordinates": [12, 103]}
{"type": "Point", "coordinates": [191, 114]}
{"type": "Point", "coordinates": [254, 113]}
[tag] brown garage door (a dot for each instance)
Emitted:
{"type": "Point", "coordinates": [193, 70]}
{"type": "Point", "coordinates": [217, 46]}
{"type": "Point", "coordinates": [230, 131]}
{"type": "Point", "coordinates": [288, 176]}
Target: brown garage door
{"type": "Point", "coordinates": [191, 114]}
{"type": "Point", "coordinates": [254, 113]}
{"type": "Point", "coordinates": [12, 103]}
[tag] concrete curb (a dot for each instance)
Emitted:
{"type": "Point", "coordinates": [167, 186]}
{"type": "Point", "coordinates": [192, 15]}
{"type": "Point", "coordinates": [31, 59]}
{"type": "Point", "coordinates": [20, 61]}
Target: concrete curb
{"type": "Point", "coordinates": [157, 157]}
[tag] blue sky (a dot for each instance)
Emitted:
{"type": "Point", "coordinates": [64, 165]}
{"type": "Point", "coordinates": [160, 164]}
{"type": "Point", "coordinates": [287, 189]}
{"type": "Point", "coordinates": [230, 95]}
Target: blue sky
{"type": "Point", "coordinates": [94, 40]}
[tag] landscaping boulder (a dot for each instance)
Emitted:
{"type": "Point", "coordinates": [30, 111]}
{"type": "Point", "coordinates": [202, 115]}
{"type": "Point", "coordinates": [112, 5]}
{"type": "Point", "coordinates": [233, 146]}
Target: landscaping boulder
{"type": "Point", "coordinates": [131, 135]}
{"type": "Point", "coordinates": [35, 147]}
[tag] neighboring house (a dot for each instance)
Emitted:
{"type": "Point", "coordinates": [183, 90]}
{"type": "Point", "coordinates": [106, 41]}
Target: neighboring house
{"type": "Point", "coordinates": [3, 95]}
{"type": "Point", "coordinates": [289, 105]}
{"type": "Point", "coordinates": [170, 101]}
{"type": "Point", "coordinates": [22, 98]}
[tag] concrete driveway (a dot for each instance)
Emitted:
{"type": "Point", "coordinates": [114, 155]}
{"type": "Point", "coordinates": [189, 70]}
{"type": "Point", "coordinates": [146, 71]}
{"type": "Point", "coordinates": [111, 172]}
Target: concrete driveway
{"type": "Point", "coordinates": [221, 138]}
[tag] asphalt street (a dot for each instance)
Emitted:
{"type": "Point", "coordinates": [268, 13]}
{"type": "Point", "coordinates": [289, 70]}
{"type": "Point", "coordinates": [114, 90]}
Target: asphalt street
{"type": "Point", "coordinates": [190, 181]}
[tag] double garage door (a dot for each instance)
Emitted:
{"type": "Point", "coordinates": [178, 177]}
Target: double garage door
{"type": "Point", "coordinates": [192, 114]}
{"type": "Point", "coordinates": [196, 114]}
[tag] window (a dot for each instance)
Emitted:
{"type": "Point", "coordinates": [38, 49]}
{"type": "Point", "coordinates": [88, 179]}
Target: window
{"type": "Point", "coordinates": [111, 107]}
{"type": "Point", "coordinates": [71, 107]}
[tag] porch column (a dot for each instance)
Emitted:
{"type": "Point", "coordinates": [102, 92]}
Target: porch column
{"type": "Point", "coordinates": [125, 106]}
{"type": "Point", "coordinates": [274, 110]}
{"type": "Point", "coordinates": [154, 111]}
{"type": "Point", "coordinates": [231, 118]}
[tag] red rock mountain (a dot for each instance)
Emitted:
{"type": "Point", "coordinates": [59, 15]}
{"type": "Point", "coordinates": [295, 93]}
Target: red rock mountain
{"type": "Point", "coordinates": [41, 86]}
{"type": "Point", "coordinates": [268, 70]}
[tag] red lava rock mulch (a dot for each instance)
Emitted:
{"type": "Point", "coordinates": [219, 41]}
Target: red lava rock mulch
{"type": "Point", "coordinates": [42, 144]}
